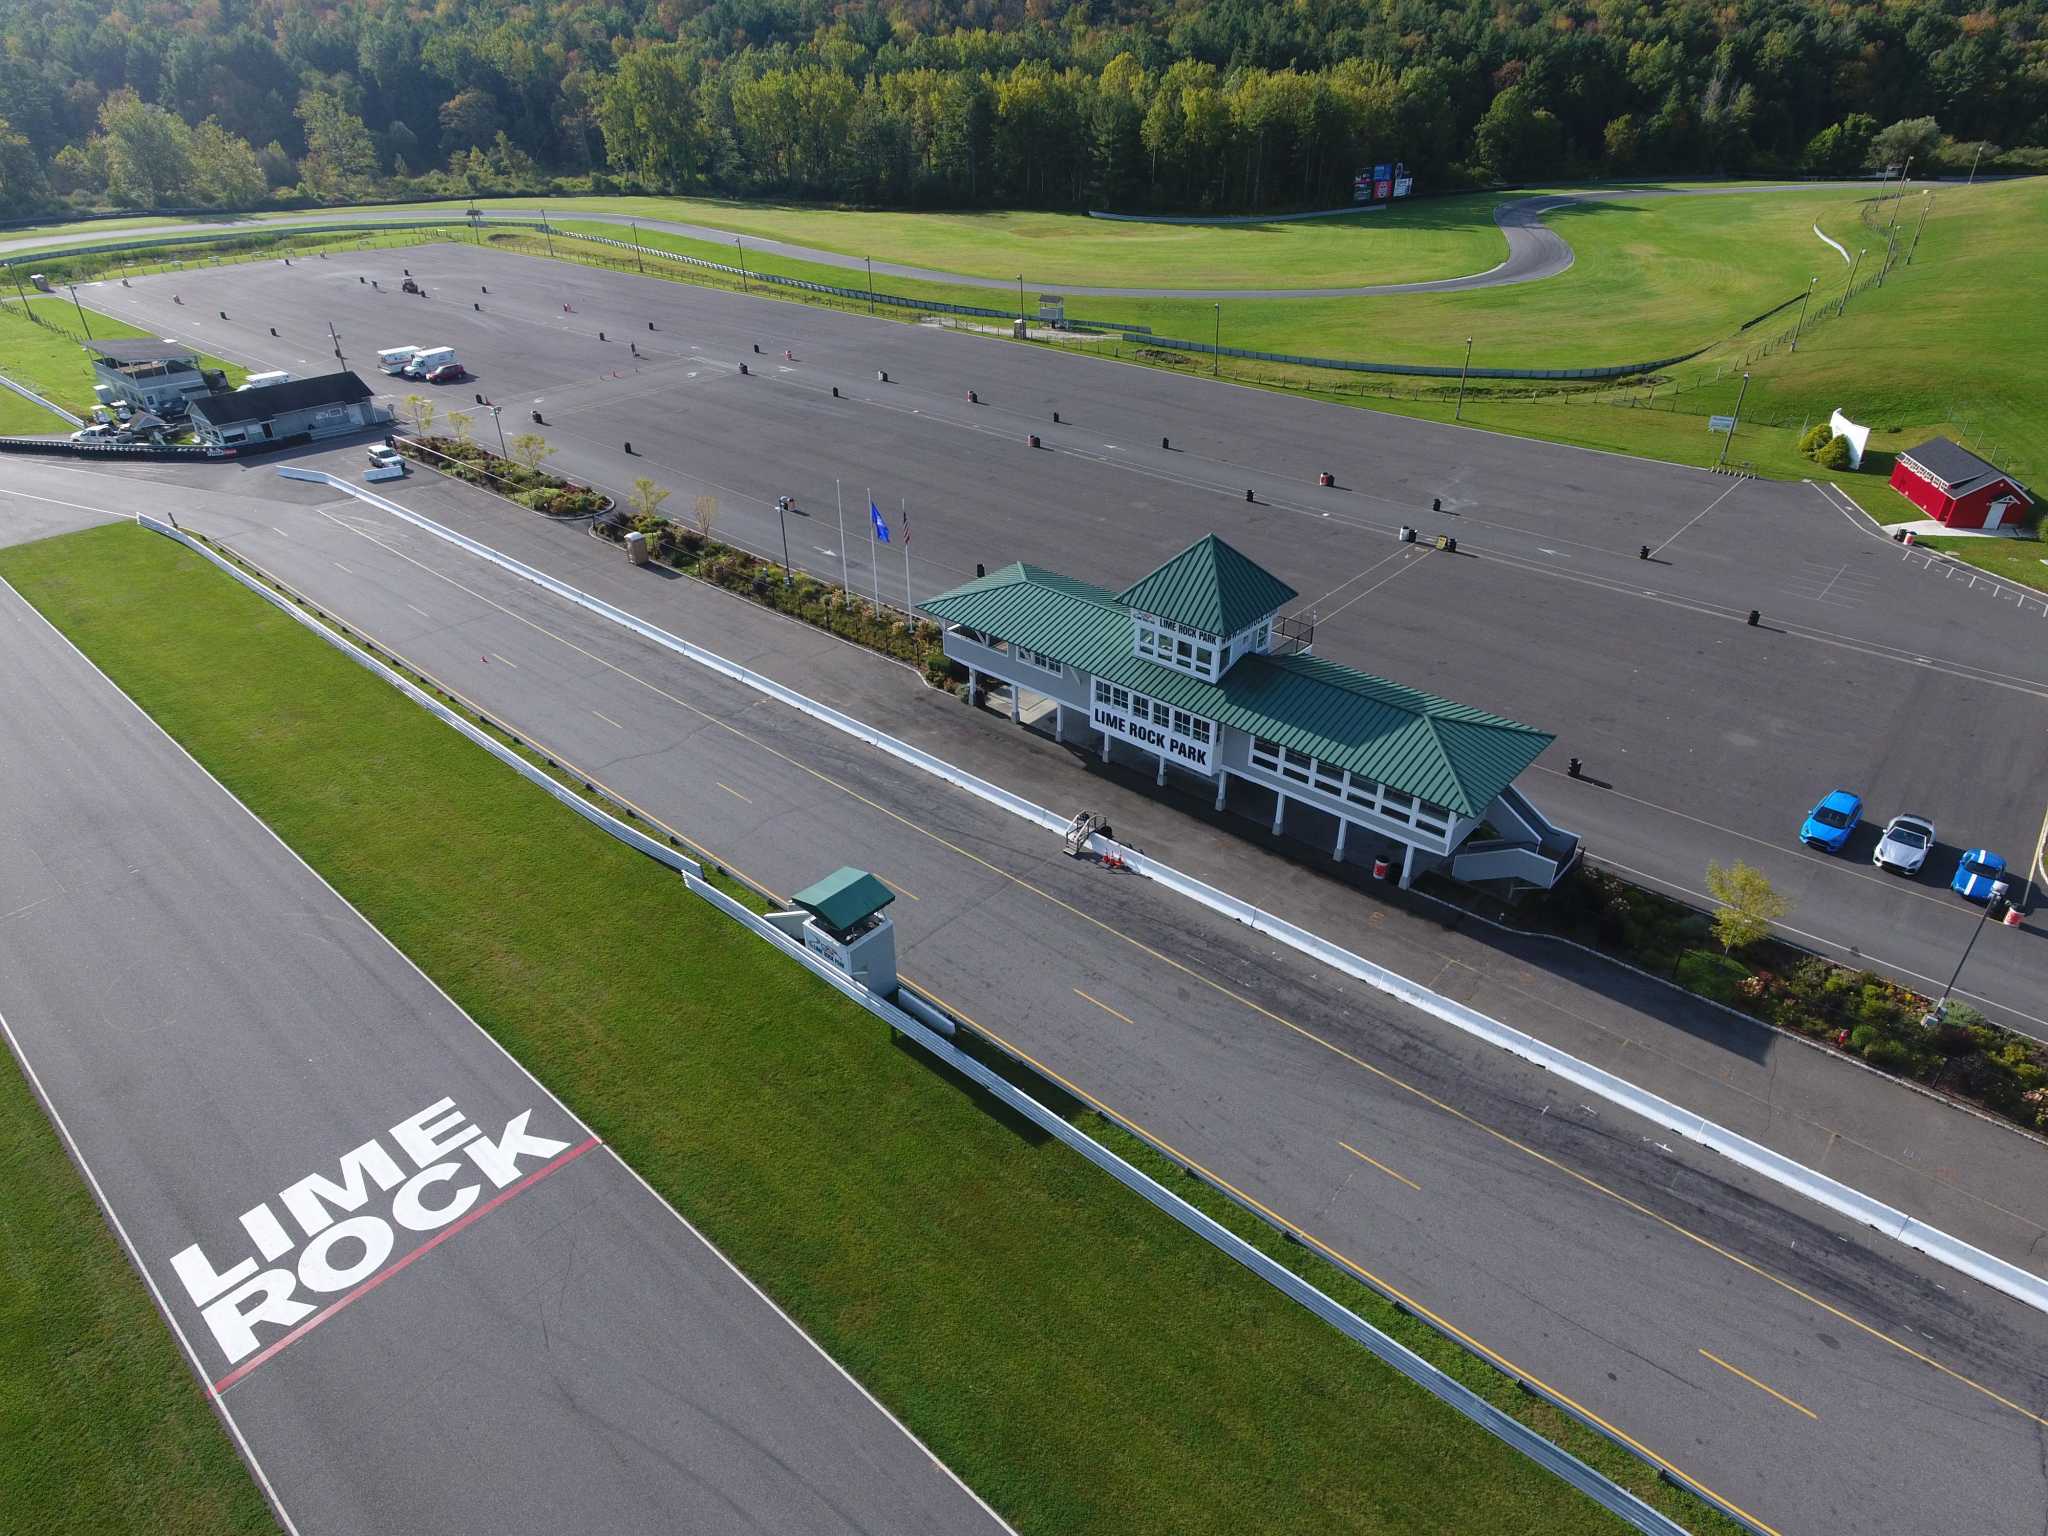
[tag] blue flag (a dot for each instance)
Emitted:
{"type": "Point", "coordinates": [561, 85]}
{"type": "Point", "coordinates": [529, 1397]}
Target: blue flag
{"type": "Point", "coordinates": [881, 527]}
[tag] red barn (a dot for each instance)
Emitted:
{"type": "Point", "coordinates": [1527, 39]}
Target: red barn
{"type": "Point", "coordinates": [1953, 486]}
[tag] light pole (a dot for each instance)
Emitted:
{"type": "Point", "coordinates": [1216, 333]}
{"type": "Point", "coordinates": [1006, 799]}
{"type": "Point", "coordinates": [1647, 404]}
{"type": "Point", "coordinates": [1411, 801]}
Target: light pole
{"type": "Point", "coordinates": [1804, 300]}
{"type": "Point", "coordinates": [548, 232]}
{"type": "Point", "coordinates": [638, 260]}
{"type": "Point", "coordinates": [1464, 369]}
{"type": "Point", "coordinates": [782, 518]}
{"type": "Point", "coordinates": [81, 310]}
{"type": "Point", "coordinates": [1216, 350]}
{"type": "Point", "coordinates": [1020, 295]}
{"type": "Point", "coordinates": [20, 293]}
{"type": "Point", "coordinates": [871, 283]}
{"type": "Point", "coordinates": [498, 417]}
{"type": "Point", "coordinates": [1998, 893]}
{"type": "Point", "coordinates": [1926, 207]}
{"type": "Point", "coordinates": [743, 262]}
{"type": "Point", "coordinates": [1851, 289]}
{"type": "Point", "coordinates": [1973, 164]}
{"type": "Point", "coordinates": [1734, 422]}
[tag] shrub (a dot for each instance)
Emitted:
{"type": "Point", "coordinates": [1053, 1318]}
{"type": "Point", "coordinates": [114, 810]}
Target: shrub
{"type": "Point", "coordinates": [1816, 438]}
{"type": "Point", "coordinates": [1834, 454]}
{"type": "Point", "coordinates": [1887, 1054]}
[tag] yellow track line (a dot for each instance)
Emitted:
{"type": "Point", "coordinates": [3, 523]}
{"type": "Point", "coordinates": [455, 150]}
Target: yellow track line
{"type": "Point", "coordinates": [1772, 1391]}
{"type": "Point", "coordinates": [1383, 1168]}
{"type": "Point", "coordinates": [1098, 1002]}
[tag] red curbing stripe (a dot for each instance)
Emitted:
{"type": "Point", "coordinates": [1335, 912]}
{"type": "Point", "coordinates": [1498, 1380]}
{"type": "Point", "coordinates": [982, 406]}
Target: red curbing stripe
{"type": "Point", "coordinates": [393, 1268]}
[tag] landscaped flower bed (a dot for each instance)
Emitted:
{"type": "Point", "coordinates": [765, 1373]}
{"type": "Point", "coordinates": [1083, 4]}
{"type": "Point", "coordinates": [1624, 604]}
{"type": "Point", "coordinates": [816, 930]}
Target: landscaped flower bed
{"type": "Point", "coordinates": [824, 604]}
{"type": "Point", "coordinates": [532, 487]}
{"type": "Point", "coordinates": [1858, 1012]}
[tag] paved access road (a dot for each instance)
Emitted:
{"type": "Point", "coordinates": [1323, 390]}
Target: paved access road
{"type": "Point", "coordinates": [449, 1307]}
{"type": "Point", "coordinates": [1534, 250]}
{"type": "Point", "coordinates": [1703, 739]}
{"type": "Point", "coordinates": [1821, 1378]}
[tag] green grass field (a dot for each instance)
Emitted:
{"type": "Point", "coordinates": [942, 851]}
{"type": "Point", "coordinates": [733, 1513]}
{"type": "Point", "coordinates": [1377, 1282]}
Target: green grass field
{"type": "Point", "coordinates": [105, 1426]}
{"type": "Point", "coordinates": [55, 366]}
{"type": "Point", "coordinates": [1084, 1363]}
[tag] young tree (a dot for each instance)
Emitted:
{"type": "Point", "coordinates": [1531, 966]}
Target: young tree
{"type": "Point", "coordinates": [1749, 904]}
{"type": "Point", "coordinates": [647, 497]}
{"type": "Point", "coordinates": [459, 423]}
{"type": "Point", "coordinates": [705, 515]}
{"type": "Point", "coordinates": [420, 409]}
{"type": "Point", "coordinates": [528, 450]}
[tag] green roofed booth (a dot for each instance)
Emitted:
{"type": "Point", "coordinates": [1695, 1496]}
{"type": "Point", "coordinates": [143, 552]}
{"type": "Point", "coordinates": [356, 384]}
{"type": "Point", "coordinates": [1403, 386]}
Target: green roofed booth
{"type": "Point", "coordinates": [840, 918]}
{"type": "Point", "coordinates": [1195, 669]}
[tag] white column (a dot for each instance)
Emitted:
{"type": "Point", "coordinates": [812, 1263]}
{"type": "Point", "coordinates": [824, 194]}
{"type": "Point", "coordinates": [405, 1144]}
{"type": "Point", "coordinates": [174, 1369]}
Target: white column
{"type": "Point", "coordinates": [1059, 721]}
{"type": "Point", "coordinates": [1105, 746]}
{"type": "Point", "coordinates": [1279, 811]}
{"type": "Point", "coordinates": [1343, 828]}
{"type": "Point", "coordinates": [1222, 786]}
{"type": "Point", "coordinates": [1407, 866]}
{"type": "Point", "coordinates": [1016, 713]}
{"type": "Point", "coordinates": [1160, 777]}
{"type": "Point", "coordinates": [973, 683]}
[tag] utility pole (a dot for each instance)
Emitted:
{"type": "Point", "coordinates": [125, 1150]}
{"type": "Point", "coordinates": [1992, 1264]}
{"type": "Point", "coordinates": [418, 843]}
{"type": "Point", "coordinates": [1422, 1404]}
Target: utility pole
{"type": "Point", "coordinates": [782, 518]}
{"type": "Point", "coordinates": [1926, 207]}
{"type": "Point", "coordinates": [1852, 278]}
{"type": "Point", "coordinates": [845, 580]}
{"type": "Point", "coordinates": [871, 283]}
{"type": "Point", "coordinates": [1973, 164]}
{"type": "Point", "coordinates": [81, 310]}
{"type": "Point", "coordinates": [1020, 296]}
{"type": "Point", "coordinates": [1734, 424]}
{"type": "Point", "coordinates": [1999, 888]}
{"type": "Point", "coordinates": [638, 260]}
{"type": "Point", "coordinates": [14, 271]}
{"type": "Point", "coordinates": [549, 233]}
{"type": "Point", "coordinates": [498, 416]}
{"type": "Point", "coordinates": [335, 336]}
{"type": "Point", "coordinates": [1216, 351]}
{"type": "Point", "coordinates": [903, 517]}
{"type": "Point", "coordinates": [743, 262]}
{"type": "Point", "coordinates": [1804, 300]}
{"type": "Point", "coordinates": [1463, 370]}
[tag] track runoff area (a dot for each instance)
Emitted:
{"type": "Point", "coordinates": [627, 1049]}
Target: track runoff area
{"type": "Point", "coordinates": [1702, 738]}
{"type": "Point", "coordinates": [171, 977]}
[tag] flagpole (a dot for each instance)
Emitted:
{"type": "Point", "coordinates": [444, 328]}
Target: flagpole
{"type": "Point", "coordinates": [874, 554]}
{"type": "Point", "coordinates": [845, 581]}
{"type": "Point", "coordinates": [903, 516]}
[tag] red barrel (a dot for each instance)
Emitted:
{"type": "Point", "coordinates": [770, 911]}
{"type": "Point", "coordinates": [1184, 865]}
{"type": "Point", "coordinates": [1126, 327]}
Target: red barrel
{"type": "Point", "coordinates": [1379, 869]}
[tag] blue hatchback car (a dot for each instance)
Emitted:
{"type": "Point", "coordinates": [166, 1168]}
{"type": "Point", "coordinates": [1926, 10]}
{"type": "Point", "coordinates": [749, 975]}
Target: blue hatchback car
{"type": "Point", "coordinates": [1828, 825]}
{"type": "Point", "coordinates": [1978, 871]}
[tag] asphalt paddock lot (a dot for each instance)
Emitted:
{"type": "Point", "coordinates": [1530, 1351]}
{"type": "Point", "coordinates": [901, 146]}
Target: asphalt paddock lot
{"type": "Point", "coordinates": [1703, 738]}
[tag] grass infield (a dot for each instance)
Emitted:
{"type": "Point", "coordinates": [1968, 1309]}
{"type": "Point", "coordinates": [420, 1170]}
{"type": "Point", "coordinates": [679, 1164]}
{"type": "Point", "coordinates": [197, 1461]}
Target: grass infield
{"type": "Point", "coordinates": [1083, 1362]}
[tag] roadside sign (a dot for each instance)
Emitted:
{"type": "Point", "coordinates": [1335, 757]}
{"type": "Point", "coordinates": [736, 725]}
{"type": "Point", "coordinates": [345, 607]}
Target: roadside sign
{"type": "Point", "coordinates": [1720, 423]}
{"type": "Point", "coordinates": [1052, 308]}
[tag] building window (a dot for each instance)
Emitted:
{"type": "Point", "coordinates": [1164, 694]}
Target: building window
{"type": "Point", "coordinates": [1038, 659]}
{"type": "Point", "coordinates": [1266, 754]}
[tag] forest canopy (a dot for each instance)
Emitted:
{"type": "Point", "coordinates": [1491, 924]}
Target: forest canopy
{"type": "Point", "coordinates": [1123, 104]}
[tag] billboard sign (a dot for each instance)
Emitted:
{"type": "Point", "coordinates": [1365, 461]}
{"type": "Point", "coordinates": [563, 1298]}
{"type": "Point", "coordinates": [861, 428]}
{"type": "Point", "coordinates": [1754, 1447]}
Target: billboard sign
{"type": "Point", "coordinates": [1361, 187]}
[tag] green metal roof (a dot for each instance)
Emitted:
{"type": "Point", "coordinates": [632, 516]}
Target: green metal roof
{"type": "Point", "coordinates": [1210, 586]}
{"type": "Point", "coordinates": [845, 898]}
{"type": "Point", "coordinates": [1447, 753]}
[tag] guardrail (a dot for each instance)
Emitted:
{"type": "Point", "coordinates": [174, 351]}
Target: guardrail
{"type": "Point", "coordinates": [930, 1028]}
{"type": "Point", "coordinates": [1998, 1273]}
{"type": "Point", "coordinates": [16, 387]}
{"type": "Point", "coordinates": [63, 447]}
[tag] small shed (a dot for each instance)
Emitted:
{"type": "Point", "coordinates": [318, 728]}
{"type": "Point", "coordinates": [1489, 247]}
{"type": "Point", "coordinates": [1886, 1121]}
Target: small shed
{"type": "Point", "coordinates": [298, 409]}
{"type": "Point", "coordinates": [150, 374]}
{"type": "Point", "coordinates": [1953, 486]}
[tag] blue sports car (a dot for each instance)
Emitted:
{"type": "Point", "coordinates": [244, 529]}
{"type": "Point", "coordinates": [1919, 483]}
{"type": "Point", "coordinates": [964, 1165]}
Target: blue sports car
{"type": "Point", "coordinates": [1979, 870]}
{"type": "Point", "coordinates": [1828, 825]}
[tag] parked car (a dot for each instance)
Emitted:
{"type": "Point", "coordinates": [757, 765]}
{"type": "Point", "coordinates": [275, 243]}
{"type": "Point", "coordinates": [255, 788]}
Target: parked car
{"type": "Point", "coordinates": [1828, 825]}
{"type": "Point", "coordinates": [99, 432]}
{"type": "Point", "coordinates": [447, 373]}
{"type": "Point", "coordinates": [1976, 873]}
{"type": "Point", "coordinates": [409, 286]}
{"type": "Point", "coordinates": [382, 454]}
{"type": "Point", "coordinates": [1904, 846]}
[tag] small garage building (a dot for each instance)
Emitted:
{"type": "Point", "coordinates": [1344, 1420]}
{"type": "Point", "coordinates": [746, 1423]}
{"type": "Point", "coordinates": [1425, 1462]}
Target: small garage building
{"type": "Point", "coordinates": [1953, 486]}
{"type": "Point", "coordinates": [296, 410]}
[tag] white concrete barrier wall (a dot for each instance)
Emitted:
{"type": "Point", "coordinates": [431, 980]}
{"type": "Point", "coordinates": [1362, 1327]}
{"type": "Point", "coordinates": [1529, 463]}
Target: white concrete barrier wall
{"type": "Point", "coordinates": [2001, 1275]}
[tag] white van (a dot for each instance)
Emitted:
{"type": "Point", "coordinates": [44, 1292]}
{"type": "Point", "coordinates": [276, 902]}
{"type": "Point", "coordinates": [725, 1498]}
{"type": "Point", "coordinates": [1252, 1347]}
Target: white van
{"type": "Point", "coordinates": [394, 359]}
{"type": "Point", "coordinates": [426, 359]}
{"type": "Point", "coordinates": [264, 380]}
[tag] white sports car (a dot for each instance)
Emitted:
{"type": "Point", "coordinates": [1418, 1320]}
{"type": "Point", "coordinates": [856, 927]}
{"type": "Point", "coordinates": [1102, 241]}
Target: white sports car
{"type": "Point", "coordinates": [1903, 848]}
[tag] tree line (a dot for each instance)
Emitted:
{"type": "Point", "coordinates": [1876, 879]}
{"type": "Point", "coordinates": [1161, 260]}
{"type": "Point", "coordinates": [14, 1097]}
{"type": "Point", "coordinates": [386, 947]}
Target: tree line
{"type": "Point", "coordinates": [1125, 104]}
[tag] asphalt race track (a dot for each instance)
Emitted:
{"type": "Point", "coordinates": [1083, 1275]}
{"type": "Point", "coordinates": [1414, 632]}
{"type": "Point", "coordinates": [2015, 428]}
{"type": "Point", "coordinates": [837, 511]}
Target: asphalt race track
{"type": "Point", "coordinates": [1917, 683]}
{"type": "Point", "coordinates": [511, 1332]}
{"type": "Point", "coordinates": [1630, 1271]}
